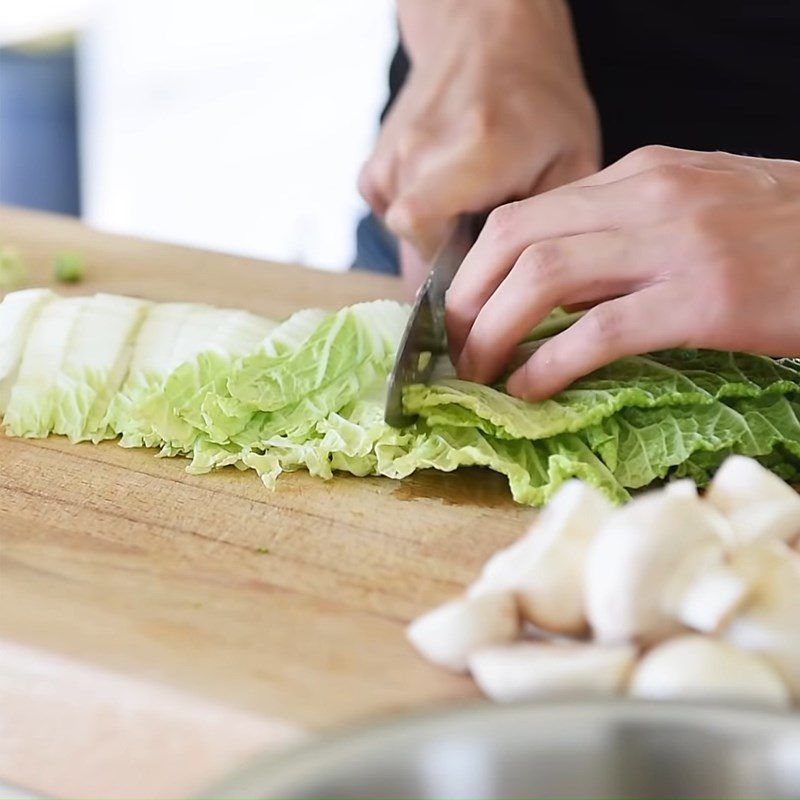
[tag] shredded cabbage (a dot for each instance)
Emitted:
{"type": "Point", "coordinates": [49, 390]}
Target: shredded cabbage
{"type": "Point", "coordinates": [227, 388]}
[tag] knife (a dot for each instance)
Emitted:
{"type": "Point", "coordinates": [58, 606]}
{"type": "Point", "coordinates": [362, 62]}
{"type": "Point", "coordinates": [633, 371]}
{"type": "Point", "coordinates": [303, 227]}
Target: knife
{"type": "Point", "coordinates": [425, 337]}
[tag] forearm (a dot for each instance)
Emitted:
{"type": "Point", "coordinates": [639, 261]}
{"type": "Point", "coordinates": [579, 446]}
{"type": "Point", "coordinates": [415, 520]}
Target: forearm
{"type": "Point", "coordinates": [495, 108]}
{"type": "Point", "coordinates": [518, 27]}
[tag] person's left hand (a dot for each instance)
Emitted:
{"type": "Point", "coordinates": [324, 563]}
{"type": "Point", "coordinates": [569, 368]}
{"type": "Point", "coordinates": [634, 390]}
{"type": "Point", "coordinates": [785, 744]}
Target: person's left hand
{"type": "Point", "coordinates": [672, 248]}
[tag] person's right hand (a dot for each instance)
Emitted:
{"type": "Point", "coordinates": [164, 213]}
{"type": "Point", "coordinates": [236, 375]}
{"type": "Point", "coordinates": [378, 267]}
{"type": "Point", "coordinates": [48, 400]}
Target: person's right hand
{"type": "Point", "coordinates": [495, 108]}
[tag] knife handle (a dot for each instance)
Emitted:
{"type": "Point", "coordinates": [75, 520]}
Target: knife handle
{"type": "Point", "coordinates": [476, 223]}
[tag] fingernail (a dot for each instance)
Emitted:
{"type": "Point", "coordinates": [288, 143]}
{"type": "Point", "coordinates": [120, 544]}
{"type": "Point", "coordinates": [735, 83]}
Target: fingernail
{"type": "Point", "coordinates": [464, 367]}
{"type": "Point", "coordinates": [454, 352]}
{"type": "Point", "coordinates": [516, 384]}
{"type": "Point", "coordinates": [524, 384]}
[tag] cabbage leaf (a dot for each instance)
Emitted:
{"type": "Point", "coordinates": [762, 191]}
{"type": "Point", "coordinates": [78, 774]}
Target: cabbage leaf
{"type": "Point", "coordinates": [227, 388]}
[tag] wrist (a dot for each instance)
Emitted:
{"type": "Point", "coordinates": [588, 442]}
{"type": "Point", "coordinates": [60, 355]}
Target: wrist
{"type": "Point", "coordinates": [431, 27]}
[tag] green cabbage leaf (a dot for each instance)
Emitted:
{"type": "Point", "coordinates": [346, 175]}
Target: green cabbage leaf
{"type": "Point", "coordinates": [228, 388]}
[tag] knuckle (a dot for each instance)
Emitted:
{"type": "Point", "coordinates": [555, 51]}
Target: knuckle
{"type": "Point", "coordinates": [542, 263]}
{"type": "Point", "coordinates": [606, 324]}
{"type": "Point", "coordinates": [460, 310]}
{"type": "Point", "coordinates": [409, 143]}
{"type": "Point", "coordinates": [399, 219]}
{"type": "Point", "coordinates": [667, 183]}
{"type": "Point", "coordinates": [406, 219]}
{"type": "Point", "coordinates": [651, 155]}
{"type": "Point", "coordinates": [501, 222]}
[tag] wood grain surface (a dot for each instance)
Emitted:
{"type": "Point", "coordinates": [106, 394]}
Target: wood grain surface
{"type": "Point", "coordinates": [157, 628]}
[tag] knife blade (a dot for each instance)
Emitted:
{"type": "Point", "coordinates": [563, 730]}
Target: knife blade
{"type": "Point", "coordinates": [425, 336]}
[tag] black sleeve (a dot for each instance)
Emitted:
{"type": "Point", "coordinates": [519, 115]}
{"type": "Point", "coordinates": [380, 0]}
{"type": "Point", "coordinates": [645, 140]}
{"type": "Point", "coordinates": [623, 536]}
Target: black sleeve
{"type": "Point", "coordinates": [398, 70]}
{"type": "Point", "coordinates": [700, 74]}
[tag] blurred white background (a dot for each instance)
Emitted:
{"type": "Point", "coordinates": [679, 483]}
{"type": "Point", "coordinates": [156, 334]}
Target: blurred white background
{"type": "Point", "coordinates": [236, 126]}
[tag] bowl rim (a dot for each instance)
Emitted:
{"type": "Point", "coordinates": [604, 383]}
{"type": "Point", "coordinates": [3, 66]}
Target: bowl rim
{"type": "Point", "coordinates": [275, 769]}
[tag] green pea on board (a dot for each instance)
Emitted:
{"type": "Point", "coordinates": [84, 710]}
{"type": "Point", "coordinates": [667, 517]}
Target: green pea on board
{"type": "Point", "coordinates": [13, 272]}
{"type": "Point", "coordinates": [70, 267]}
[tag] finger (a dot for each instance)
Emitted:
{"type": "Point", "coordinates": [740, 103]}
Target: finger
{"type": "Point", "coordinates": [441, 186]}
{"type": "Point", "coordinates": [576, 269]}
{"type": "Point", "coordinates": [654, 156]}
{"type": "Point", "coordinates": [653, 196]}
{"type": "Point", "coordinates": [373, 186]}
{"type": "Point", "coordinates": [377, 181]}
{"type": "Point", "coordinates": [626, 326]}
{"type": "Point", "coordinates": [642, 159]}
{"type": "Point", "coordinates": [513, 227]}
{"type": "Point", "coordinates": [414, 267]}
{"type": "Point", "coordinates": [419, 223]}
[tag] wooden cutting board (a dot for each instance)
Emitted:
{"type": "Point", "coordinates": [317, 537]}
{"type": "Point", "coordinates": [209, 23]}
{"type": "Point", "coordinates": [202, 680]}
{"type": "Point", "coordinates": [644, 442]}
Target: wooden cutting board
{"type": "Point", "coordinates": [157, 628]}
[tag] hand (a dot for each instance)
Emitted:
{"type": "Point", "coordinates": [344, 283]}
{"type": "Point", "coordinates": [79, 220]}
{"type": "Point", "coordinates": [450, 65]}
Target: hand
{"type": "Point", "coordinates": [495, 108]}
{"type": "Point", "coordinates": [672, 248]}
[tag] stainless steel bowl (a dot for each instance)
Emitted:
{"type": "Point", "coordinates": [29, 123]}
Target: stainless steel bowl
{"type": "Point", "coordinates": [579, 749]}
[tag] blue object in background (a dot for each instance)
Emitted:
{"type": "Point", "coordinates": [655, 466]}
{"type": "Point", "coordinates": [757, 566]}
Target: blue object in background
{"type": "Point", "coordinates": [38, 130]}
{"type": "Point", "coordinates": [376, 248]}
